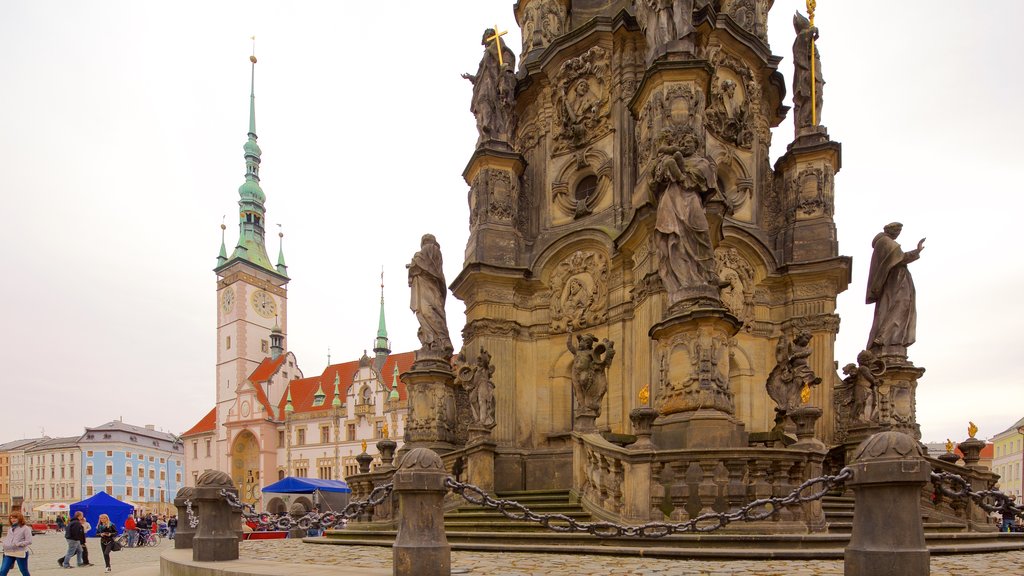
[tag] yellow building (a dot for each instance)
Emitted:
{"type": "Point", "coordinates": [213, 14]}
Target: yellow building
{"type": "Point", "coordinates": [1008, 458]}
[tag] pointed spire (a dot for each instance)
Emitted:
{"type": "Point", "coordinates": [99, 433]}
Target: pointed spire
{"type": "Point", "coordinates": [223, 256]}
{"type": "Point", "coordinates": [394, 384]}
{"type": "Point", "coordinates": [319, 397]}
{"type": "Point", "coordinates": [381, 345]}
{"type": "Point", "coordinates": [282, 268]}
{"type": "Point", "coordinates": [276, 340]}
{"type": "Point", "coordinates": [336, 403]}
{"type": "Point", "coordinates": [288, 408]}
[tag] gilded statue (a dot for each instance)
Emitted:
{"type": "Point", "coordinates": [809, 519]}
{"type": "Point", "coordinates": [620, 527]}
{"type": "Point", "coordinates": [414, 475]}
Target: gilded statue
{"type": "Point", "coordinates": [494, 90]}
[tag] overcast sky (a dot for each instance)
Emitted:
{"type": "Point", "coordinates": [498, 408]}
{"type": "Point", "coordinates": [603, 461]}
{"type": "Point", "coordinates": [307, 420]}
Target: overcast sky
{"type": "Point", "coordinates": [121, 132]}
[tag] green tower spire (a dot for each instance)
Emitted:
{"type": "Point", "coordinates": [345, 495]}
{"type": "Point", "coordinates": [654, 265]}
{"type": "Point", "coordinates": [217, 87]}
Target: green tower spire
{"type": "Point", "coordinates": [288, 408]}
{"type": "Point", "coordinates": [282, 268]}
{"type": "Point", "coordinates": [336, 403]}
{"type": "Point", "coordinates": [394, 385]}
{"type": "Point", "coordinates": [381, 345]}
{"type": "Point", "coordinates": [251, 209]}
{"type": "Point", "coordinates": [223, 256]}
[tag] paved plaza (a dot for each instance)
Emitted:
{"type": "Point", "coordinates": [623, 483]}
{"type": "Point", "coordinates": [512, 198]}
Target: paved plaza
{"type": "Point", "coordinates": [350, 559]}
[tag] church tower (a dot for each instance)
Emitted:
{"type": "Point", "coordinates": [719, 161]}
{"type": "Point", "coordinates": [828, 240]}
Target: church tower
{"type": "Point", "coordinates": [252, 297]}
{"type": "Point", "coordinates": [381, 345]}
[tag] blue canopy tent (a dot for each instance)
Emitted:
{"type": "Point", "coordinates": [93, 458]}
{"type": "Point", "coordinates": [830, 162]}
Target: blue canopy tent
{"type": "Point", "coordinates": [333, 494]}
{"type": "Point", "coordinates": [102, 503]}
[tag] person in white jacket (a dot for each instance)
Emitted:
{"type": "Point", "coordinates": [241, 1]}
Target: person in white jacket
{"type": "Point", "coordinates": [16, 544]}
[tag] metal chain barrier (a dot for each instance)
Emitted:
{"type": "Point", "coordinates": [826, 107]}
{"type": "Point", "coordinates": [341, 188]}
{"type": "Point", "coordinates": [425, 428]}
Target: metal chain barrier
{"type": "Point", "coordinates": [322, 521]}
{"type": "Point", "coordinates": [193, 520]}
{"type": "Point", "coordinates": [760, 509]}
{"type": "Point", "coordinates": [957, 487]}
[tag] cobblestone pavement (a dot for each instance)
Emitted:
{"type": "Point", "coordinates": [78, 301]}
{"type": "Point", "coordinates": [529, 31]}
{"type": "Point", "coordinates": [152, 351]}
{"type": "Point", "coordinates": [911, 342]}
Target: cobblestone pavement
{"type": "Point", "coordinates": [525, 564]}
{"type": "Point", "coordinates": [46, 548]}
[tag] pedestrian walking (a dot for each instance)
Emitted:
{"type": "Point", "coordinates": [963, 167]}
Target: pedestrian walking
{"type": "Point", "coordinates": [107, 532]}
{"type": "Point", "coordinates": [132, 530]}
{"type": "Point", "coordinates": [74, 535]}
{"type": "Point", "coordinates": [172, 526]}
{"type": "Point", "coordinates": [16, 544]}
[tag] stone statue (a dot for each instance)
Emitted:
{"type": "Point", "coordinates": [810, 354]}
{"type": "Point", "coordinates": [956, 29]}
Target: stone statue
{"type": "Point", "coordinates": [891, 290]}
{"type": "Point", "coordinates": [667, 25]}
{"type": "Point", "coordinates": [791, 372]}
{"type": "Point", "coordinates": [589, 372]}
{"type": "Point", "coordinates": [805, 34]}
{"type": "Point", "coordinates": [494, 91]}
{"type": "Point", "coordinates": [683, 180]}
{"type": "Point", "coordinates": [429, 291]}
{"type": "Point", "coordinates": [476, 379]}
{"type": "Point", "coordinates": [863, 381]}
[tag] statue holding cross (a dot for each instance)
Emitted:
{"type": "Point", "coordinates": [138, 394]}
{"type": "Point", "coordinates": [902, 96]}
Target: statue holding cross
{"type": "Point", "coordinates": [494, 90]}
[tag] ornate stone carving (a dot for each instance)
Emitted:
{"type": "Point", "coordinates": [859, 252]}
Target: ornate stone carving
{"type": "Point", "coordinates": [491, 327]}
{"type": "Point", "coordinates": [494, 92]}
{"type": "Point", "coordinates": [891, 290]}
{"type": "Point", "coordinates": [543, 21]}
{"type": "Point", "coordinates": [816, 323]}
{"type": "Point", "coordinates": [706, 384]}
{"type": "Point", "coordinates": [582, 101]}
{"type": "Point", "coordinates": [589, 376]}
{"type": "Point", "coordinates": [667, 26]}
{"type": "Point", "coordinates": [791, 372]}
{"type": "Point", "coordinates": [857, 398]}
{"type": "Point", "coordinates": [589, 162]}
{"type": "Point", "coordinates": [476, 380]}
{"type": "Point", "coordinates": [683, 179]}
{"type": "Point", "coordinates": [429, 291]}
{"type": "Point", "coordinates": [504, 192]}
{"type": "Point", "coordinates": [805, 34]}
{"type": "Point", "coordinates": [735, 97]}
{"type": "Point", "coordinates": [809, 191]}
{"type": "Point", "coordinates": [736, 284]}
{"type": "Point", "coordinates": [751, 15]}
{"type": "Point", "coordinates": [579, 291]}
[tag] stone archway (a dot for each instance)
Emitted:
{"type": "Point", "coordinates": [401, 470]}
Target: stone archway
{"type": "Point", "coordinates": [245, 466]}
{"type": "Point", "coordinates": [276, 506]}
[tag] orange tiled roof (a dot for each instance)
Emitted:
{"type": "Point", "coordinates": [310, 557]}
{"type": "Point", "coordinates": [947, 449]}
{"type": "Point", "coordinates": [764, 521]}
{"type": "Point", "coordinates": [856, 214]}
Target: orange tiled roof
{"type": "Point", "coordinates": [266, 369]}
{"type": "Point", "coordinates": [987, 452]}
{"type": "Point", "coordinates": [304, 389]}
{"type": "Point", "coordinates": [207, 424]}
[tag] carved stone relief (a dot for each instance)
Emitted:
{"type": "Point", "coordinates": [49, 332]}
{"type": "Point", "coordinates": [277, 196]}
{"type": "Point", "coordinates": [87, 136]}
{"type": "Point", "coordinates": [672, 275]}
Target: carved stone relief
{"type": "Point", "coordinates": [543, 21]}
{"type": "Point", "coordinates": [735, 97]}
{"type": "Point", "coordinates": [702, 362]}
{"type": "Point", "coordinates": [678, 105]}
{"type": "Point", "coordinates": [494, 197]}
{"type": "Point", "coordinates": [582, 100]}
{"type": "Point", "coordinates": [751, 15]}
{"type": "Point", "coordinates": [579, 291]}
{"type": "Point", "coordinates": [736, 281]}
{"type": "Point", "coordinates": [589, 162]}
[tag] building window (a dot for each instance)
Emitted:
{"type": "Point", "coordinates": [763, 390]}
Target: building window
{"type": "Point", "coordinates": [300, 437]}
{"type": "Point", "coordinates": [127, 469]}
{"type": "Point", "coordinates": [280, 474]}
{"type": "Point", "coordinates": [264, 346]}
{"type": "Point", "coordinates": [350, 433]}
{"type": "Point", "coordinates": [207, 447]}
{"type": "Point", "coordinates": [227, 343]}
{"type": "Point", "coordinates": [280, 438]}
{"type": "Point", "coordinates": [152, 474]}
{"type": "Point", "coordinates": [109, 489]}
{"type": "Point", "coordinates": [142, 472]}
{"type": "Point", "coordinates": [195, 448]}
{"type": "Point", "coordinates": [300, 472]}
{"type": "Point", "coordinates": [128, 491]}
{"type": "Point", "coordinates": [88, 490]}
{"type": "Point", "coordinates": [325, 434]}
{"type": "Point", "coordinates": [325, 472]}
{"type": "Point", "coordinates": [151, 459]}
{"type": "Point", "coordinates": [110, 469]}
{"type": "Point", "coordinates": [177, 477]}
{"type": "Point", "coordinates": [89, 453]}
{"type": "Point", "coordinates": [379, 430]}
{"type": "Point", "coordinates": [163, 475]}
{"type": "Point", "coordinates": [162, 460]}
{"type": "Point", "coordinates": [110, 453]}
{"type": "Point", "coordinates": [88, 469]}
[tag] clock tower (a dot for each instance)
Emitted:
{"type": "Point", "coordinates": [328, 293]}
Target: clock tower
{"type": "Point", "coordinates": [252, 296]}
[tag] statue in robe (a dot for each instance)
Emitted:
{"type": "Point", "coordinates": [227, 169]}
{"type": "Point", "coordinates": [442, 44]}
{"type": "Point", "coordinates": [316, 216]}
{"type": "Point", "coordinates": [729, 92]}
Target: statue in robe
{"type": "Point", "coordinates": [805, 36]}
{"type": "Point", "coordinates": [429, 291]}
{"type": "Point", "coordinates": [494, 91]}
{"type": "Point", "coordinates": [891, 290]}
{"type": "Point", "coordinates": [590, 372]}
{"type": "Point", "coordinates": [667, 26]}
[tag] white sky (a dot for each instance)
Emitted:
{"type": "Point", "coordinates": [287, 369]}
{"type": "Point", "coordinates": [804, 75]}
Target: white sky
{"type": "Point", "coordinates": [121, 132]}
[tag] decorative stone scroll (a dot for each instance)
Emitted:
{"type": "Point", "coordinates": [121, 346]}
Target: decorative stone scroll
{"type": "Point", "coordinates": [582, 100]}
{"type": "Point", "coordinates": [542, 22]}
{"type": "Point", "coordinates": [579, 291]}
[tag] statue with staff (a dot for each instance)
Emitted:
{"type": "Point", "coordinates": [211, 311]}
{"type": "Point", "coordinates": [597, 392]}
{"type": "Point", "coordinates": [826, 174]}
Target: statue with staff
{"type": "Point", "coordinates": [807, 78]}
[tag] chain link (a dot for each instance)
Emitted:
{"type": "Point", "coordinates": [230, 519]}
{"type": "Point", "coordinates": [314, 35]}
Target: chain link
{"type": "Point", "coordinates": [320, 521]}
{"type": "Point", "coordinates": [760, 509]}
{"type": "Point", "coordinates": [959, 488]}
{"type": "Point", "coordinates": [193, 521]}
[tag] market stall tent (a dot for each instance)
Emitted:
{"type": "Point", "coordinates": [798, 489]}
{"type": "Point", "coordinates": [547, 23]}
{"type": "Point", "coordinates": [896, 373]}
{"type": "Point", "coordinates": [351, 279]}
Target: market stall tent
{"type": "Point", "coordinates": [329, 494]}
{"type": "Point", "coordinates": [103, 503]}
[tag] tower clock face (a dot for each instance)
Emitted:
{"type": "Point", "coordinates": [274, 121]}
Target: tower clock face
{"type": "Point", "coordinates": [227, 300]}
{"type": "Point", "coordinates": [263, 304]}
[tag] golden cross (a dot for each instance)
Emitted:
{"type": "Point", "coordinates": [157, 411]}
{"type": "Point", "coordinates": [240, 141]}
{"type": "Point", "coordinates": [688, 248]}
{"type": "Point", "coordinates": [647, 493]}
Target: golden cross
{"type": "Point", "coordinates": [497, 42]}
{"type": "Point", "coordinates": [811, 5]}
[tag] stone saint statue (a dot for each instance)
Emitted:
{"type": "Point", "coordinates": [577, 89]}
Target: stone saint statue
{"type": "Point", "coordinates": [891, 290]}
{"type": "Point", "coordinates": [667, 25]}
{"type": "Point", "coordinates": [494, 91]}
{"type": "Point", "coordinates": [805, 34]}
{"type": "Point", "coordinates": [589, 372]}
{"type": "Point", "coordinates": [683, 180]}
{"type": "Point", "coordinates": [791, 373]}
{"type": "Point", "coordinates": [863, 378]}
{"type": "Point", "coordinates": [476, 379]}
{"type": "Point", "coordinates": [426, 278]}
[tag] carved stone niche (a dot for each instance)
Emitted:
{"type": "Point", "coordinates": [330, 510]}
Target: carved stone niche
{"type": "Point", "coordinates": [736, 288]}
{"type": "Point", "coordinates": [582, 186]}
{"type": "Point", "coordinates": [493, 197]}
{"type": "Point", "coordinates": [734, 101]}
{"type": "Point", "coordinates": [579, 291]}
{"type": "Point", "coordinates": [541, 22]}
{"type": "Point", "coordinates": [675, 104]}
{"type": "Point", "coordinates": [751, 15]}
{"type": "Point", "coordinates": [582, 101]}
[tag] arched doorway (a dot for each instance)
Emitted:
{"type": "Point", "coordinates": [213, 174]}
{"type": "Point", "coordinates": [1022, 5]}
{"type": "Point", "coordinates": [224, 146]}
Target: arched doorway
{"type": "Point", "coordinates": [245, 467]}
{"type": "Point", "coordinates": [276, 506]}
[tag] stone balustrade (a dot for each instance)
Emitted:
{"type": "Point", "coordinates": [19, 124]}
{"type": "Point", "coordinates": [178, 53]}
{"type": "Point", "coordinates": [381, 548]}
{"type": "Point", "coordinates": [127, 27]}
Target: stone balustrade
{"type": "Point", "coordinates": [620, 484]}
{"type": "Point", "coordinates": [363, 484]}
{"type": "Point", "coordinates": [966, 513]}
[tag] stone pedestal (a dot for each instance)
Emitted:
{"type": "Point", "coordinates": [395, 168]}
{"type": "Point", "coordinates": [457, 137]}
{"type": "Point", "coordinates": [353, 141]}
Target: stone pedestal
{"type": "Point", "coordinates": [971, 449]}
{"type": "Point", "coordinates": [219, 524]}
{"type": "Point", "coordinates": [643, 419]}
{"type": "Point", "coordinates": [364, 461]}
{"type": "Point", "coordinates": [386, 448]}
{"type": "Point", "coordinates": [694, 398]}
{"type": "Point", "coordinates": [805, 418]}
{"type": "Point", "coordinates": [493, 174]}
{"type": "Point", "coordinates": [807, 171]}
{"type": "Point", "coordinates": [889, 472]}
{"type": "Point", "coordinates": [295, 512]}
{"type": "Point", "coordinates": [480, 464]}
{"type": "Point", "coordinates": [421, 547]}
{"type": "Point", "coordinates": [433, 418]}
{"type": "Point", "coordinates": [186, 532]}
{"type": "Point", "coordinates": [897, 396]}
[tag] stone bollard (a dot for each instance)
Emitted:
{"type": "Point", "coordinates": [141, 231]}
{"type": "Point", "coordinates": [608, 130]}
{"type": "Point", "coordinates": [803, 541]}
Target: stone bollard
{"type": "Point", "coordinates": [185, 533]}
{"type": "Point", "coordinates": [888, 535]}
{"type": "Point", "coordinates": [386, 448]}
{"type": "Point", "coordinates": [295, 512]}
{"type": "Point", "coordinates": [421, 547]}
{"type": "Point", "coordinates": [217, 535]}
{"type": "Point", "coordinates": [364, 461]}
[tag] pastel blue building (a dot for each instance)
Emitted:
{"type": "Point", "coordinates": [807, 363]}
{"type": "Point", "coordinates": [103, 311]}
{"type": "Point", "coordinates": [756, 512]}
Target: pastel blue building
{"type": "Point", "coordinates": [135, 464]}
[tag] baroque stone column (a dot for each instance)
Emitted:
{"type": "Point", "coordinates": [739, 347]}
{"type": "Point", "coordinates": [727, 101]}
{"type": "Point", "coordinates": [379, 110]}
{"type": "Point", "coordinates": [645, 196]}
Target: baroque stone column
{"type": "Point", "coordinates": [433, 419]}
{"type": "Point", "coordinates": [494, 174]}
